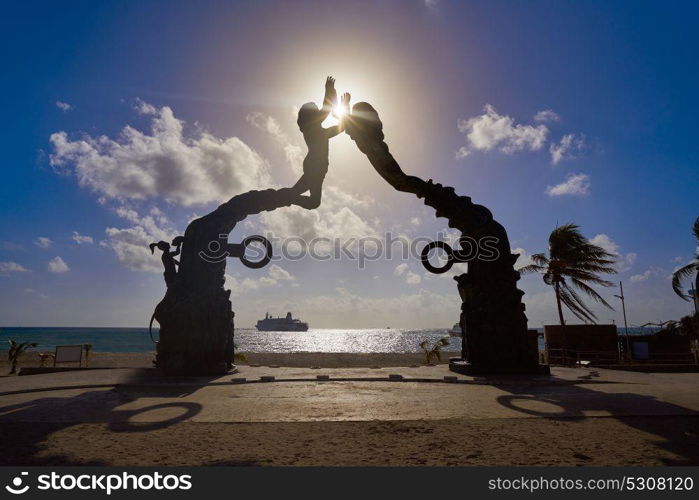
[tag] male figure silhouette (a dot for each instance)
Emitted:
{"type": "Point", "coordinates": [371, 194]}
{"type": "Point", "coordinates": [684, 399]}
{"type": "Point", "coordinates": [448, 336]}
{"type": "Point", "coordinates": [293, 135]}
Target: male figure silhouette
{"type": "Point", "coordinates": [494, 326]}
{"type": "Point", "coordinates": [315, 165]}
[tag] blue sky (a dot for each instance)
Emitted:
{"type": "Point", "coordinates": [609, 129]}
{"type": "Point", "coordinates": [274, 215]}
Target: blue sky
{"type": "Point", "coordinates": [546, 112]}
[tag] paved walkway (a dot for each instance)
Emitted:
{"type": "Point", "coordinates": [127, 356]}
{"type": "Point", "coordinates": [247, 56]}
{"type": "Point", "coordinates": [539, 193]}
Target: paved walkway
{"type": "Point", "coordinates": [359, 394]}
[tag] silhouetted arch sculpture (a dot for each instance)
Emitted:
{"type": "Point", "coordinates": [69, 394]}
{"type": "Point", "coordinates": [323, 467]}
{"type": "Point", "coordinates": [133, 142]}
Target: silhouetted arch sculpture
{"type": "Point", "coordinates": [493, 322]}
{"type": "Point", "coordinates": [196, 317]}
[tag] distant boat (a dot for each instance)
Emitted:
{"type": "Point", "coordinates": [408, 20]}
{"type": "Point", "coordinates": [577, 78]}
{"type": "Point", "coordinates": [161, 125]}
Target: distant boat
{"type": "Point", "coordinates": [455, 330]}
{"type": "Point", "coordinates": [287, 324]}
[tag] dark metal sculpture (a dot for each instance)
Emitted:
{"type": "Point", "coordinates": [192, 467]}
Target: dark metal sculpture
{"type": "Point", "coordinates": [195, 316]}
{"type": "Point", "coordinates": [494, 326]}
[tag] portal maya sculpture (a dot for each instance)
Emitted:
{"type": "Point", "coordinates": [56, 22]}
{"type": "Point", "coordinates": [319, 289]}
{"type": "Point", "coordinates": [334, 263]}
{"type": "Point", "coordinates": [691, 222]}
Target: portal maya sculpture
{"type": "Point", "coordinates": [196, 317]}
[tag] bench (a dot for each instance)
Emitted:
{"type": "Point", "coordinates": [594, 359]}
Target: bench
{"type": "Point", "coordinates": [68, 354]}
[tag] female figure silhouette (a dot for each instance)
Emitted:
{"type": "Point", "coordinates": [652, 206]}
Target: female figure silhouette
{"type": "Point", "coordinates": [315, 165]}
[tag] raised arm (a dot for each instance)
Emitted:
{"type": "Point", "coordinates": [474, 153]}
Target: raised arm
{"type": "Point", "coordinates": [366, 130]}
{"type": "Point", "coordinates": [330, 97]}
{"type": "Point", "coordinates": [333, 131]}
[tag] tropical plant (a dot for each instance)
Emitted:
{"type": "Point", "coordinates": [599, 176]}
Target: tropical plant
{"type": "Point", "coordinates": [688, 270]}
{"type": "Point", "coordinates": [237, 356]}
{"type": "Point", "coordinates": [686, 325]}
{"type": "Point", "coordinates": [669, 327]}
{"type": "Point", "coordinates": [88, 350]}
{"type": "Point", "coordinates": [573, 263]}
{"type": "Point", "coordinates": [44, 358]}
{"type": "Point", "coordinates": [689, 325]}
{"type": "Point", "coordinates": [16, 350]}
{"type": "Point", "coordinates": [435, 350]}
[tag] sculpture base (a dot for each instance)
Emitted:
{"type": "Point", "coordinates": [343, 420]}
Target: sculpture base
{"type": "Point", "coordinates": [463, 367]}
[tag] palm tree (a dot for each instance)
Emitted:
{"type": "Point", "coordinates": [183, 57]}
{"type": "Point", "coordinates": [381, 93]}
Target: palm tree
{"type": "Point", "coordinates": [16, 350]}
{"type": "Point", "coordinates": [573, 263]}
{"type": "Point", "coordinates": [685, 272]}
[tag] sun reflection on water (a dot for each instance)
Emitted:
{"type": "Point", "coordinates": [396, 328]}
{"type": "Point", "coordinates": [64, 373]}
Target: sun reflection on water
{"type": "Point", "coordinates": [387, 340]}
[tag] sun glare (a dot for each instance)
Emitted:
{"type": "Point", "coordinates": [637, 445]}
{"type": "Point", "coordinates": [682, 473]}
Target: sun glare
{"type": "Point", "coordinates": [338, 111]}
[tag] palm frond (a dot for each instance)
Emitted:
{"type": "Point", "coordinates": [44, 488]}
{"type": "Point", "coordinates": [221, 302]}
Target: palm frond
{"type": "Point", "coordinates": [570, 299]}
{"type": "Point", "coordinates": [573, 257]}
{"type": "Point", "coordinates": [540, 259]}
{"type": "Point", "coordinates": [591, 292]}
{"type": "Point", "coordinates": [680, 275]}
{"type": "Point", "coordinates": [531, 268]}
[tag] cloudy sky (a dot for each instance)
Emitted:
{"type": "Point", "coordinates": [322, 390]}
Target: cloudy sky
{"type": "Point", "coordinates": [123, 121]}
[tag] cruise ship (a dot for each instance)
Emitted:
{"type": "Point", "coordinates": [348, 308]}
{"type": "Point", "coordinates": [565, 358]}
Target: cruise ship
{"type": "Point", "coordinates": [287, 324]}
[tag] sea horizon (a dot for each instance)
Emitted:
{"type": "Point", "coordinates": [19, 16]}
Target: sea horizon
{"type": "Point", "coordinates": [329, 340]}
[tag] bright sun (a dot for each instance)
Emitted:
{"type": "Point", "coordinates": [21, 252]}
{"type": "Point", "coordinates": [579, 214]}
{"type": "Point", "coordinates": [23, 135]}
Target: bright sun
{"type": "Point", "coordinates": [339, 111]}
{"type": "Point", "coordinates": [335, 116]}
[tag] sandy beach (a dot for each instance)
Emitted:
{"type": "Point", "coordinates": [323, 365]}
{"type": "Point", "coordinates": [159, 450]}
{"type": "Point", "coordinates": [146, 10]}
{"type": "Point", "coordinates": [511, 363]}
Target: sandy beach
{"type": "Point", "coordinates": [458, 442]}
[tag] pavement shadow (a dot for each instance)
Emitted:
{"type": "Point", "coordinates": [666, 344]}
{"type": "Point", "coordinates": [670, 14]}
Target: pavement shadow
{"type": "Point", "coordinates": [26, 426]}
{"type": "Point", "coordinates": [675, 427]}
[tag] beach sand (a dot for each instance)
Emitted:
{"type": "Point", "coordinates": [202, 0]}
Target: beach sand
{"type": "Point", "coordinates": [581, 417]}
{"type": "Point", "coordinates": [457, 442]}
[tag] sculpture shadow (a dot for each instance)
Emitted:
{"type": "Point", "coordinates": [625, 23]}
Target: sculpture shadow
{"type": "Point", "coordinates": [26, 426]}
{"type": "Point", "coordinates": [677, 426]}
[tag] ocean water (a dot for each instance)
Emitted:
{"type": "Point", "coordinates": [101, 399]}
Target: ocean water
{"type": "Point", "coordinates": [247, 339]}
{"type": "Point", "coordinates": [389, 340]}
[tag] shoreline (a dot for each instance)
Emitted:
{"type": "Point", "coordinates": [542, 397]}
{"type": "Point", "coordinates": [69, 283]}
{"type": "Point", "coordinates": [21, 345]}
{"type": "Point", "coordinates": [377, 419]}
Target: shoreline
{"type": "Point", "coordinates": [290, 359]}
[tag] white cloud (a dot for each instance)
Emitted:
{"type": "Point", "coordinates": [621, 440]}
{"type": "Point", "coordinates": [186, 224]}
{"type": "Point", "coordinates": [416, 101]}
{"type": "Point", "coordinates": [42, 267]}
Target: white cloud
{"type": "Point", "coordinates": [653, 271]}
{"type": "Point", "coordinates": [524, 258]}
{"type": "Point", "coordinates": [629, 260]}
{"type": "Point", "coordinates": [63, 106]}
{"type": "Point", "coordinates": [400, 269]}
{"type": "Point", "coordinates": [352, 308]}
{"type": "Point", "coordinates": [12, 267]}
{"type": "Point", "coordinates": [564, 149]}
{"type": "Point", "coordinates": [494, 131]}
{"type": "Point", "coordinates": [462, 153]}
{"type": "Point", "coordinates": [412, 278]}
{"type": "Point", "coordinates": [275, 274]}
{"type": "Point", "coordinates": [333, 219]}
{"type": "Point", "coordinates": [163, 163]}
{"type": "Point", "coordinates": [82, 240]}
{"type": "Point", "coordinates": [43, 242]}
{"type": "Point", "coordinates": [294, 152]}
{"type": "Point", "coordinates": [624, 261]}
{"type": "Point", "coordinates": [575, 185]}
{"type": "Point", "coordinates": [31, 291]}
{"type": "Point", "coordinates": [144, 108]}
{"type": "Point", "coordinates": [57, 265]}
{"type": "Point", "coordinates": [415, 221]}
{"type": "Point", "coordinates": [131, 244]}
{"type": "Point", "coordinates": [546, 115]}
{"type": "Point", "coordinates": [278, 273]}
{"type": "Point", "coordinates": [604, 241]}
